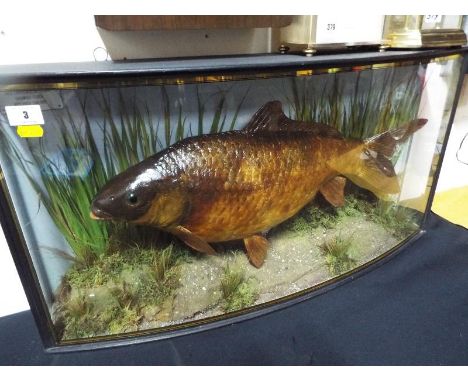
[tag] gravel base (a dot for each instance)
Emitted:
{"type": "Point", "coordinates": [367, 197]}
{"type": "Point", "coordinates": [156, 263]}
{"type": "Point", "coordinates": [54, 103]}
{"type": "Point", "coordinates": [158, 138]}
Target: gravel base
{"type": "Point", "coordinates": [294, 262]}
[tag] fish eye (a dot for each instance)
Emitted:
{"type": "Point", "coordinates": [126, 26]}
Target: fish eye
{"type": "Point", "coordinates": [132, 198]}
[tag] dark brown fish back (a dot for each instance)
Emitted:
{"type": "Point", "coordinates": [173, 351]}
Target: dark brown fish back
{"type": "Point", "coordinates": [270, 118]}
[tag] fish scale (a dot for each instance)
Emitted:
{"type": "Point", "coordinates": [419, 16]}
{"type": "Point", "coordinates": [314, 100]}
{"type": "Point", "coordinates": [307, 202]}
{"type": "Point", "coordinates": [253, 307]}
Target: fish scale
{"type": "Point", "coordinates": [261, 193]}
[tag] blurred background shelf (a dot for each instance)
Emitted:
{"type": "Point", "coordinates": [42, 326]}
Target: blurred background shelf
{"type": "Point", "coordinates": [147, 23]}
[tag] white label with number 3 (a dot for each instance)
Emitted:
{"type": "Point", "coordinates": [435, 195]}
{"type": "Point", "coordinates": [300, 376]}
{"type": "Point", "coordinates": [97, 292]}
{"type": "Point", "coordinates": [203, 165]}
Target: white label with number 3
{"type": "Point", "coordinates": [24, 115]}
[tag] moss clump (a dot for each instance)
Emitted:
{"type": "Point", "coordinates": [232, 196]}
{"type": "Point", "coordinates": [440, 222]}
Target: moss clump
{"type": "Point", "coordinates": [309, 218]}
{"type": "Point", "coordinates": [96, 273]}
{"type": "Point", "coordinates": [320, 217]}
{"type": "Point", "coordinates": [353, 207]}
{"type": "Point", "coordinates": [237, 291]}
{"type": "Point", "coordinates": [338, 254]}
{"type": "Point", "coordinates": [161, 276]}
{"type": "Point", "coordinates": [315, 216]}
{"type": "Point", "coordinates": [109, 296]}
{"type": "Point", "coordinates": [400, 221]}
{"type": "Point", "coordinates": [126, 321]}
{"type": "Point", "coordinates": [80, 321]}
{"type": "Point", "coordinates": [84, 315]}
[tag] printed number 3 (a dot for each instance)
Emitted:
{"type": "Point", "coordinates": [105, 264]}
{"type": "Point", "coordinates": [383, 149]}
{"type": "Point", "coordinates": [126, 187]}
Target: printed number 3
{"type": "Point", "coordinates": [330, 27]}
{"type": "Point", "coordinates": [25, 115]}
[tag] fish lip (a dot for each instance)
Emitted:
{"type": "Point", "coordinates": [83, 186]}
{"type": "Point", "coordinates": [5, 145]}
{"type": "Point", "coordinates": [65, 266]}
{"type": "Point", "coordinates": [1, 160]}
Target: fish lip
{"type": "Point", "coordinates": [98, 214]}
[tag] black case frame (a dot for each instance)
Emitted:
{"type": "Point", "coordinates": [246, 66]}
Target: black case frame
{"type": "Point", "coordinates": [105, 73]}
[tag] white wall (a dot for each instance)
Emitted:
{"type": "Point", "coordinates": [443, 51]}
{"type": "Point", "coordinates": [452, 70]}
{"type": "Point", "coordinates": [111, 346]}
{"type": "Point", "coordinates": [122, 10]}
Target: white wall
{"type": "Point", "coordinates": [48, 38]}
{"type": "Point", "coordinates": [12, 298]}
{"type": "Point", "coordinates": [40, 40]}
{"type": "Point", "coordinates": [454, 173]}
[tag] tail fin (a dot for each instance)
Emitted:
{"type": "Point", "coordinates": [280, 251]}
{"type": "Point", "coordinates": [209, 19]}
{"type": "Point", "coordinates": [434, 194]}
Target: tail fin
{"type": "Point", "coordinates": [386, 142]}
{"type": "Point", "coordinates": [369, 166]}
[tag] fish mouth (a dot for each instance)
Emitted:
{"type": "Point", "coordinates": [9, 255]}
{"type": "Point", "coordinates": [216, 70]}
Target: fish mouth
{"type": "Point", "coordinates": [98, 214]}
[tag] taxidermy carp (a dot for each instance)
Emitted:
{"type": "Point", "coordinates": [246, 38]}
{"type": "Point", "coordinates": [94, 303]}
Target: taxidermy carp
{"type": "Point", "coordinates": [239, 184]}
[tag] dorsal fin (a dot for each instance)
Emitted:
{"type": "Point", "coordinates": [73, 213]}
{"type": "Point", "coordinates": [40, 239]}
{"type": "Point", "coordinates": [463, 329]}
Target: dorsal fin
{"type": "Point", "coordinates": [266, 118]}
{"type": "Point", "coordinates": [271, 118]}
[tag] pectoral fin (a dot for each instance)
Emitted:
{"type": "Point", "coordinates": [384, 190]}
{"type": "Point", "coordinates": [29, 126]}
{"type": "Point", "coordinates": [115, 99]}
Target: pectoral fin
{"type": "Point", "coordinates": [192, 240]}
{"type": "Point", "coordinates": [256, 246]}
{"type": "Point", "coordinates": [333, 191]}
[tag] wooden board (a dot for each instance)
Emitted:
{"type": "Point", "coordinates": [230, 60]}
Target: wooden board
{"type": "Point", "coordinates": [146, 23]}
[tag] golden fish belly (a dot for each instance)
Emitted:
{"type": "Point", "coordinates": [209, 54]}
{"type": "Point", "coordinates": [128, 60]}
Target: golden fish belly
{"type": "Point", "coordinates": [251, 188]}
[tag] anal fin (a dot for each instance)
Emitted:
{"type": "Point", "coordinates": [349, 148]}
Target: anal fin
{"type": "Point", "coordinates": [192, 240]}
{"type": "Point", "coordinates": [256, 246]}
{"type": "Point", "coordinates": [333, 191]}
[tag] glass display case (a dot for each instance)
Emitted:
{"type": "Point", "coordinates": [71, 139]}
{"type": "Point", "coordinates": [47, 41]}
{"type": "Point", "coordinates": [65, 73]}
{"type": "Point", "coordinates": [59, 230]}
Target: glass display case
{"type": "Point", "coordinates": [142, 200]}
